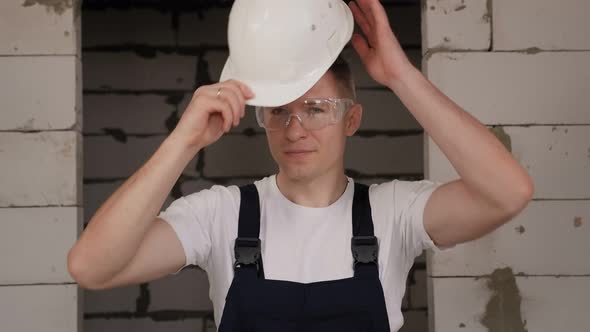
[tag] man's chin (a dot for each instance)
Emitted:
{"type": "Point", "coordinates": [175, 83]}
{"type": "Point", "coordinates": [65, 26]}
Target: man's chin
{"type": "Point", "coordinates": [297, 172]}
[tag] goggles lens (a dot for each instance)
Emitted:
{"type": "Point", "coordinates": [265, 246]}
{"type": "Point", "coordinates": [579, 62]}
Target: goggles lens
{"type": "Point", "coordinates": [314, 114]}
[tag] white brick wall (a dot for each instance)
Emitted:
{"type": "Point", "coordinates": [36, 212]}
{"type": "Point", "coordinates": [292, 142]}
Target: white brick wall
{"type": "Point", "coordinates": [547, 303]}
{"type": "Point", "coordinates": [547, 25]}
{"type": "Point", "coordinates": [40, 164]}
{"type": "Point", "coordinates": [514, 87]}
{"type": "Point", "coordinates": [38, 240]}
{"type": "Point", "coordinates": [40, 169]}
{"type": "Point", "coordinates": [50, 308]}
{"type": "Point", "coordinates": [39, 29]}
{"type": "Point", "coordinates": [466, 25]}
{"type": "Point", "coordinates": [537, 102]}
{"type": "Point", "coordinates": [38, 92]}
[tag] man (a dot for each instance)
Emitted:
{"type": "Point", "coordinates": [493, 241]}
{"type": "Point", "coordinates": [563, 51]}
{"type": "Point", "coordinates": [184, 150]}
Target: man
{"type": "Point", "coordinates": [304, 216]}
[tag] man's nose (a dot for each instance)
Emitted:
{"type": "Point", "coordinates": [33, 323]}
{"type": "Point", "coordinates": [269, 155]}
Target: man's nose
{"type": "Point", "coordinates": [294, 127]}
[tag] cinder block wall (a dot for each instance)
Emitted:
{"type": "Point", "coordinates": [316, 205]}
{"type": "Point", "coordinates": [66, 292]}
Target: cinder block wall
{"type": "Point", "coordinates": [522, 68]}
{"type": "Point", "coordinates": [40, 164]}
{"type": "Point", "coordinates": [141, 65]}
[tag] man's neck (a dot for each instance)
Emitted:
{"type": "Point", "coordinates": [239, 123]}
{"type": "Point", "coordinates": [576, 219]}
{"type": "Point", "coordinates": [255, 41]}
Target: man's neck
{"type": "Point", "coordinates": [317, 192]}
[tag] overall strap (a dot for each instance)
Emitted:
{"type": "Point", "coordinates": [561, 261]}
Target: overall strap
{"type": "Point", "coordinates": [247, 245]}
{"type": "Point", "coordinates": [364, 245]}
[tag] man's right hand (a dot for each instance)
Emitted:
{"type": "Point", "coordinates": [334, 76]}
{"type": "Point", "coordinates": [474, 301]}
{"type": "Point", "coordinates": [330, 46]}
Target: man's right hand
{"type": "Point", "coordinates": [212, 111]}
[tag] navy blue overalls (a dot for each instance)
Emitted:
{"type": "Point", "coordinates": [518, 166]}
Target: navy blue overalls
{"type": "Point", "coordinates": [256, 304]}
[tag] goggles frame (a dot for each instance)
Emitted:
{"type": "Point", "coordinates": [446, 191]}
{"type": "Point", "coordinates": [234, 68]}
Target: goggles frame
{"type": "Point", "coordinates": [339, 106]}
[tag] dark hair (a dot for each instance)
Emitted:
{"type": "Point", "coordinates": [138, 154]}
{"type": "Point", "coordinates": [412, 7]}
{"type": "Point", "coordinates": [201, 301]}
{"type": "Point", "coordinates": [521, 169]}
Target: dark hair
{"type": "Point", "coordinates": [341, 71]}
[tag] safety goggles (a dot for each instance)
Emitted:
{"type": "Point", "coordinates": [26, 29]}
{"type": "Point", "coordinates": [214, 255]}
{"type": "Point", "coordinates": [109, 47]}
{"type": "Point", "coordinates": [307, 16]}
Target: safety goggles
{"type": "Point", "coordinates": [314, 114]}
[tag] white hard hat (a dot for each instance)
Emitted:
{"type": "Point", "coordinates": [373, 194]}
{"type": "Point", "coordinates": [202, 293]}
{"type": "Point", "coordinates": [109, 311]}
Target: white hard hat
{"type": "Point", "coordinates": [281, 48]}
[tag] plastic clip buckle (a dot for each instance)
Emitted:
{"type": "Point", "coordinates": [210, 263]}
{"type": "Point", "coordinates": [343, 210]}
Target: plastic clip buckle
{"type": "Point", "coordinates": [365, 249]}
{"type": "Point", "coordinates": [247, 252]}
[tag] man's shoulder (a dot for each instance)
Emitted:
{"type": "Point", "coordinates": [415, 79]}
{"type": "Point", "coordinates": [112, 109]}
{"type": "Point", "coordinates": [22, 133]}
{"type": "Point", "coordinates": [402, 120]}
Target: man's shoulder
{"type": "Point", "coordinates": [400, 188]}
{"type": "Point", "coordinates": [224, 191]}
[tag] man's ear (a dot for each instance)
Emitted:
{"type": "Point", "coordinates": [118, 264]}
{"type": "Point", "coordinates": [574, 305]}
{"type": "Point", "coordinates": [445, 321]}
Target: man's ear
{"type": "Point", "coordinates": [353, 119]}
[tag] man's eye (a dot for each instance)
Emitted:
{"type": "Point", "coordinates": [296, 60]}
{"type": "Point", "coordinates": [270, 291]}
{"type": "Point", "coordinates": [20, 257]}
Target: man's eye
{"type": "Point", "coordinates": [316, 110]}
{"type": "Point", "coordinates": [277, 111]}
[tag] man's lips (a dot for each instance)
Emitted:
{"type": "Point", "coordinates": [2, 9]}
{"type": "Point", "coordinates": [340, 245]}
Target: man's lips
{"type": "Point", "coordinates": [298, 151]}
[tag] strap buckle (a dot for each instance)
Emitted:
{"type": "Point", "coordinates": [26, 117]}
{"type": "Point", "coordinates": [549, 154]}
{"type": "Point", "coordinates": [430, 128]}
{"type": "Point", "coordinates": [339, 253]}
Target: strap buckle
{"type": "Point", "coordinates": [247, 252]}
{"type": "Point", "coordinates": [365, 249]}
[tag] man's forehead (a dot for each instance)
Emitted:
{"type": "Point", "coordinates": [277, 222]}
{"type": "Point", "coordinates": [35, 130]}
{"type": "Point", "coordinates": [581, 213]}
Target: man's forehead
{"type": "Point", "coordinates": [324, 88]}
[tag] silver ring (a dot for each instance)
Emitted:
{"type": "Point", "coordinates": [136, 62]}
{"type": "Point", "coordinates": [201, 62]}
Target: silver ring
{"type": "Point", "coordinates": [218, 93]}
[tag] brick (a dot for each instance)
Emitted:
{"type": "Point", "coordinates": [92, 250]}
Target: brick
{"type": "Point", "coordinates": [120, 299]}
{"type": "Point", "coordinates": [564, 297]}
{"type": "Point", "coordinates": [383, 110]}
{"type": "Point", "coordinates": [239, 156]}
{"type": "Point", "coordinates": [384, 155]}
{"type": "Point", "coordinates": [563, 226]}
{"type": "Point", "coordinates": [39, 169]}
{"type": "Point", "coordinates": [456, 25]}
{"type": "Point", "coordinates": [129, 156]}
{"type": "Point", "coordinates": [48, 308]}
{"type": "Point", "coordinates": [55, 229]}
{"type": "Point", "coordinates": [208, 27]}
{"type": "Point", "coordinates": [415, 321]}
{"type": "Point", "coordinates": [188, 290]}
{"type": "Point", "coordinates": [405, 22]}
{"type": "Point", "coordinates": [28, 97]}
{"type": "Point", "coordinates": [38, 29]}
{"type": "Point", "coordinates": [138, 26]}
{"type": "Point", "coordinates": [143, 324]}
{"type": "Point", "coordinates": [540, 150]}
{"type": "Point", "coordinates": [123, 112]}
{"type": "Point", "coordinates": [478, 83]}
{"type": "Point", "coordinates": [569, 30]}
{"type": "Point", "coordinates": [96, 194]}
{"type": "Point", "coordinates": [418, 291]}
{"type": "Point", "coordinates": [128, 71]}
{"type": "Point", "coordinates": [215, 60]}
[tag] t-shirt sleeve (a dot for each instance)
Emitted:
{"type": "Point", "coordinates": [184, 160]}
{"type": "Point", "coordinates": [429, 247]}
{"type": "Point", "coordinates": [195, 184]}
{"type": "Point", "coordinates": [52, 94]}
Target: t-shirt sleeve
{"type": "Point", "coordinates": [190, 217]}
{"type": "Point", "coordinates": [410, 198]}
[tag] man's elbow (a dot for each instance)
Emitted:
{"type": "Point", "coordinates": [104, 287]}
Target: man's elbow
{"type": "Point", "coordinates": [78, 270]}
{"type": "Point", "coordinates": [524, 194]}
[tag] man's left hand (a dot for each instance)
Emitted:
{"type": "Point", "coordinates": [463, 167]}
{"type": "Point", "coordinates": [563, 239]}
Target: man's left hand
{"type": "Point", "coordinates": [380, 51]}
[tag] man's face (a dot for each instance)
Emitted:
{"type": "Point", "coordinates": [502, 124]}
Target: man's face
{"type": "Point", "coordinates": [307, 154]}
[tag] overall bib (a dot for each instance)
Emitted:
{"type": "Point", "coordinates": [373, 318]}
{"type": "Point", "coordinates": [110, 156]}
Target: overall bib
{"type": "Point", "coordinates": [256, 304]}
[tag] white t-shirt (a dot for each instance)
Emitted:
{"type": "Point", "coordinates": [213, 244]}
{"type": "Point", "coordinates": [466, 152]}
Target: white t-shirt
{"type": "Point", "coordinates": [304, 244]}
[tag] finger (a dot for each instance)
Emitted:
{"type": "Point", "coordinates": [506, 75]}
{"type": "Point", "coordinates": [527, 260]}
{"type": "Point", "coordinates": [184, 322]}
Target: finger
{"type": "Point", "coordinates": [218, 105]}
{"type": "Point", "coordinates": [378, 14]}
{"type": "Point", "coordinates": [359, 17]}
{"type": "Point", "coordinates": [362, 22]}
{"type": "Point", "coordinates": [364, 5]}
{"type": "Point", "coordinates": [236, 87]}
{"type": "Point", "coordinates": [224, 92]}
{"type": "Point", "coordinates": [241, 98]}
{"type": "Point", "coordinates": [360, 45]}
{"type": "Point", "coordinates": [246, 90]}
{"type": "Point", "coordinates": [229, 94]}
{"type": "Point", "coordinates": [248, 93]}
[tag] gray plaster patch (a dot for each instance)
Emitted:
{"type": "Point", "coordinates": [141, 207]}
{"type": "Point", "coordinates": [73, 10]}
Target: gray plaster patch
{"type": "Point", "coordinates": [502, 312]}
{"type": "Point", "coordinates": [503, 137]}
{"type": "Point", "coordinates": [57, 6]}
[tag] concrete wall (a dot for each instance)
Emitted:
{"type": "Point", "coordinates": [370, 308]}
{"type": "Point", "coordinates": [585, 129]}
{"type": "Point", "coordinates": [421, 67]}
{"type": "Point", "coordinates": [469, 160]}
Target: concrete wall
{"type": "Point", "coordinates": [522, 68]}
{"type": "Point", "coordinates": [140, 70]}
{"type": "Point", "coordinates": [40, 164]}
